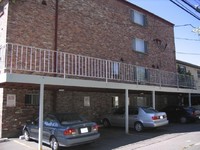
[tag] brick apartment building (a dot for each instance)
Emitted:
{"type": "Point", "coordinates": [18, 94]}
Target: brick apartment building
{"type": "Point", "coordinates": [86, 53]}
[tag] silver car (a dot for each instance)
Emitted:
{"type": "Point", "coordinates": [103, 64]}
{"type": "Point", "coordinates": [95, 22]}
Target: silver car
{"type": "Point", "coordinates": [66, 129]}
{"type": "Point", "coordinates": [139, 118]}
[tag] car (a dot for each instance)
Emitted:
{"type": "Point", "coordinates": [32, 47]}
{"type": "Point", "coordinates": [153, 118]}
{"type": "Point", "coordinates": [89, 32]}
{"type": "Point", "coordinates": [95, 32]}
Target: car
{"type": "Point", "coordinates": [193, 111]}
{"type": "Point", "coordinates": [196, 107]}
{"type": "Point", "coordinates": [63, 130]}
{"type": "Point", "coordinates": [176, 113]}
{"type": "Point", "coordinates": [139, 118]}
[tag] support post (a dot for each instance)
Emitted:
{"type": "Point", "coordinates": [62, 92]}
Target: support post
{"type": "Point", "coordinates": [40, 136]}
{"type": "Point", "coordinates": [154, 99]}
{"type": "Point", "coordinates": [126, 112]}
{"type": "Point", "coordinates": [189, 99]}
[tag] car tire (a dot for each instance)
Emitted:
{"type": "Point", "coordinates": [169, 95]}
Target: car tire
{"type": "Point", "coordinates": [138, 127]}
{"type": "Point", "coordinates": [106, 123]}
{"type": "Point", "coordinates": [54, 143]}
{"type": "Point", "coordinates": [26, 135]}
{"type": "Point", "coordinates": [183, 120]}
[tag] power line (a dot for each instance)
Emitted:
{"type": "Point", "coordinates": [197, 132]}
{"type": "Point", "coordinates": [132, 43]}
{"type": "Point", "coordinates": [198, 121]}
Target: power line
{"type": "Point", "coordinates": [187, 39]}
{"type": "Point", "coordinates": [188, 53]}
{"type": "Point", "coordinates": [185, 25]}
{"type": "Point", "coordinates": [191, 5]}
{"type": "Point", "coordinates": [185, 9]}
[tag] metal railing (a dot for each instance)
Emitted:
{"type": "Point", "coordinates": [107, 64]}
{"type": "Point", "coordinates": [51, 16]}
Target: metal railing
{"type": "Point", "coordinates": [16, 58]}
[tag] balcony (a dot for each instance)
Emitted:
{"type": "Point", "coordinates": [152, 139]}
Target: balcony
{"type": "Point", "coordinates": [20, 59]}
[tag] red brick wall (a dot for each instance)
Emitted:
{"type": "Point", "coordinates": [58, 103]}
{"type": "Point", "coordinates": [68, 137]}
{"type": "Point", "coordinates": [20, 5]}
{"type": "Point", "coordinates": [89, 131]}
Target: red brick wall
{"type": "Point", "coordinates": [95, 28]}
{"type": "Point", "coordinates": [13, 118]}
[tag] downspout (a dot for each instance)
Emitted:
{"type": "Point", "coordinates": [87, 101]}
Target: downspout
{"type": "Point", "coordinates": [55, 53]}
{"type": "Point", "coordinates": [56, 37]}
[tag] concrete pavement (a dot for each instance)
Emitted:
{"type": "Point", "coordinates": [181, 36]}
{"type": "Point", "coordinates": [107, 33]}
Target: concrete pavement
{"type": "Point", "coordinates": [171, 137]}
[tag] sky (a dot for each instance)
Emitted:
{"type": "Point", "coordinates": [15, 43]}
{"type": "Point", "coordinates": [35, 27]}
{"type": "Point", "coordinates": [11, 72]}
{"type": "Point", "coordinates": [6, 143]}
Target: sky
{"type": "Point", "coordinates": [187, 42]}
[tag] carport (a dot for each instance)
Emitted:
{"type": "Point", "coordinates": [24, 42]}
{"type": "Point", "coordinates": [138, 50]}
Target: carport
{"type": "Point", "coordinates": [43, 81]}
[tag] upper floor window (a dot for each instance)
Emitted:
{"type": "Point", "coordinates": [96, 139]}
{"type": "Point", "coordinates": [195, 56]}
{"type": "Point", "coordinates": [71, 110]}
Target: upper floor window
{"type": "Point", "coordinates": [138, 18]}
{"type": "Point", "coordinates": [141, 73]}
{"type": "Point", "coordinates": [116, 68]}
{"type": "Point", "coordinates": [140, 45]}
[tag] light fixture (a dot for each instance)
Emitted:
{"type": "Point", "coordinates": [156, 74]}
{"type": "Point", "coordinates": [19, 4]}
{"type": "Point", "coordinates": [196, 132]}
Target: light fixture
{"type": "Point", "coordinates": [61, 90]}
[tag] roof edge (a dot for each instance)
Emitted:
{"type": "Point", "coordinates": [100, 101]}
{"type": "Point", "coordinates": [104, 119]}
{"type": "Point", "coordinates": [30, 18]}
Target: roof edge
{"type": "Point", "coordinates": [187, 64]}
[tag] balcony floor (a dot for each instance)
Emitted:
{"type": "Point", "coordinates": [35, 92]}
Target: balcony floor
{"type": "Point", "coordinates": [33, 81]}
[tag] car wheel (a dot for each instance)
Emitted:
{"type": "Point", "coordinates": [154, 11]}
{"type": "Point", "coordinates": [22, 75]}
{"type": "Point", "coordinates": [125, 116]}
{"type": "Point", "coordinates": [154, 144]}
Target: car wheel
{"type": "Point", "coordinates": [26, 135]}
{"type": "Point", "coordinates": [138, 126]}
{"type": "Point", "coordinates": [54, 143]}
{"type": "Point", "coordinates": [183, 120]}
{"type": "Point", "coordinates": [106, 123]}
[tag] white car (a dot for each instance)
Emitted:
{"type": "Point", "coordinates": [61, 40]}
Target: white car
{"type": "Point", "coordinates": [139, 118]}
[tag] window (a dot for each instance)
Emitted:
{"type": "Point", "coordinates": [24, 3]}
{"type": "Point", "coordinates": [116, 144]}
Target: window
{"type": "Point", "coordinates": [138, 18]}
{"type": "Point", "coordinates": [141, 74]}
{"type": "Point", "coordinates": [116, 68]}
{"type": "Point", "coordinates": [32, 99]}
{"type": "Point", "coordinates": [50, 121]}
{"type": "Point", "coordinates": [115, 101]}
{"type": "Point", "coordinates": [198, 73]}
{"type": "Point", "coordinates": [140, 45]}
{"type": "Point", "coordinates": [86, 101]}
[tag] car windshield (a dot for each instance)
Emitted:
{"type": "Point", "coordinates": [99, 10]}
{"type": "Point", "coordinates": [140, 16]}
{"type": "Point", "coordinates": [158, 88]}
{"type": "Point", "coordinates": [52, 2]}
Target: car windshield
{"type": "Point", "coordinates": [149, 110]}
{"type": "Point", "coordinates": [69, 118]}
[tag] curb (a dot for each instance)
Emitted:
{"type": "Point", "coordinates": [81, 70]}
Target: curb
{"type": "Point", "coordinates": [3, 140]}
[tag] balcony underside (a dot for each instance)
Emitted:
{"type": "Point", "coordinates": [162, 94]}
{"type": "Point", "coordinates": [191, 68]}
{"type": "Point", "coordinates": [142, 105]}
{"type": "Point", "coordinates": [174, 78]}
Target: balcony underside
{"type": "Point", "coordinates": [33, 82]}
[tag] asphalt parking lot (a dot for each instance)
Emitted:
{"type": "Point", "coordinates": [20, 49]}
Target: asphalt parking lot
{"type": "Point", "coordinates": [184, 136]}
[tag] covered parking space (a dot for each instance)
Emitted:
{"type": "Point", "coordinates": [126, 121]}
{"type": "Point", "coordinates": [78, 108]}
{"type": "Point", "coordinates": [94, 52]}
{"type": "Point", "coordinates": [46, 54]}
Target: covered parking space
{"type": "Point", "coordinates": [42, 82]}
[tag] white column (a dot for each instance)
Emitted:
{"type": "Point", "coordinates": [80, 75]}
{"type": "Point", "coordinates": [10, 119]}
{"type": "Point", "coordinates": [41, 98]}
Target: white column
{"type": "Point", "coordinates": [126, 111]}
{"type": "Point", "coordinates": [154, 99]}
{"type": "Point", "coordinates": [40, 136]}
{"type": "Point", "coordinates": [189, 98]}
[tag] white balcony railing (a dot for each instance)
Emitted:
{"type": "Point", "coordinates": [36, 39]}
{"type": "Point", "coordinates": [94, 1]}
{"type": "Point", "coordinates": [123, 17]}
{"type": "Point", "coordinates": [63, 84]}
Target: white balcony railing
{"type": "Point", "coordinates": [15, 58]}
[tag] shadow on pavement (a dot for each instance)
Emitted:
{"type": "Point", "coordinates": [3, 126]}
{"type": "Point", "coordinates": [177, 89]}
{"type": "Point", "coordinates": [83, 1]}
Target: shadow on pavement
{"type": "Point", "coordinates": [114, 137]}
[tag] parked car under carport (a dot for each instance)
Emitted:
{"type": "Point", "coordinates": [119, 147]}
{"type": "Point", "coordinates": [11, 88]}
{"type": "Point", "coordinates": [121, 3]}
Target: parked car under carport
{"type": "Point", "coordinates": [66, 129]}
{"type": "Point", "coordinates": [139, 118]}
{"type": "Point", "coordinates": [181, 114]}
